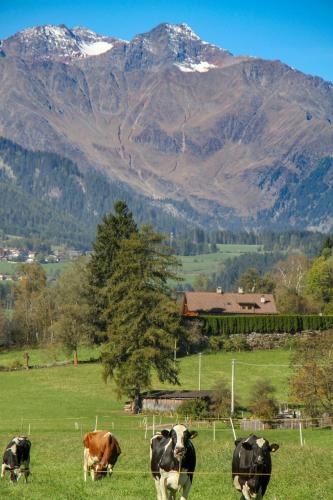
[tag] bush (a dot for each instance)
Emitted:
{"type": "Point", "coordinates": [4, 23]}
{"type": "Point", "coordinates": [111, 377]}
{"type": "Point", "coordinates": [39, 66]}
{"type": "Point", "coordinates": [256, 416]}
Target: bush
{"type": "Point", "coordinates": [197, 408]}
{"type": "Point", "coordinates": [216, 343]}
{"type": "Point", "coordinates": [264, 404]}
{"type": "Point", "coordinates": [236, 343]}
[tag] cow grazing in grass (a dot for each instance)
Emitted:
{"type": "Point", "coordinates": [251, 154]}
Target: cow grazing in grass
{"type": "Point", "coordinates": [172, 461]}
{"type": "Point", "coordinates": [101, 452]}
{"type": "Point", "coordinates": [252, 466]}
{"type": "Point", "coordinates": [16, 459]}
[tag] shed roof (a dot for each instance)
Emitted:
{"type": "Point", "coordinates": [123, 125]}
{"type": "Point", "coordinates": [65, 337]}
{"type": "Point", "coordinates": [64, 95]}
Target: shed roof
{"type": "Point", "coordinates": [177, 394]}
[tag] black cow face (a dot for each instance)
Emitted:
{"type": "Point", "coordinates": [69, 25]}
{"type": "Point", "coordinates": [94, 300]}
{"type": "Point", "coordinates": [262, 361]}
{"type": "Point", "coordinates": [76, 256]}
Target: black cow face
{"type": "Point", "coordinates": [260, 451]}
{"type": "Point", "coordinates": [180, 437]}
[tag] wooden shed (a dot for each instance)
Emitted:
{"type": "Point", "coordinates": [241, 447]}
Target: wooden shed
{"type": "Point", "coordinates": [169, 401]}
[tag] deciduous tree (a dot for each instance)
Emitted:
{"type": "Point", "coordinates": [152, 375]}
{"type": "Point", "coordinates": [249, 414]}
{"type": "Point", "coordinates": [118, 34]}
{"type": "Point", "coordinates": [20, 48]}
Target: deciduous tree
{"type": "Point", "coordinates": [263, 402]}
{"type": "Point", "coordinates": [72, 326]}
{"type": "Point", "coordinates": [31, 285]}
{"type": "Point", "coordinates": [312, 380]}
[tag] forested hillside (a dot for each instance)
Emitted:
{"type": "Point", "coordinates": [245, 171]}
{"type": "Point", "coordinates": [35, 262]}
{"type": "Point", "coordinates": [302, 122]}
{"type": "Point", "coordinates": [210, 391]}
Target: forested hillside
{"type": "Point", "coordinates": [45, 195]}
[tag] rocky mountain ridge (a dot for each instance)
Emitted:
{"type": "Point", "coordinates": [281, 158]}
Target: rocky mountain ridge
{"type": "Point", "coordinates": [177, 119]}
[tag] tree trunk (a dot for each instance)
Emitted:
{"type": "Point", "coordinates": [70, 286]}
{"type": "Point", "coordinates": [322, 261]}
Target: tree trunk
{"type": "Point", "coordinates": [76, 359]}
{"type": "Point", "coordinates": [137, 401]}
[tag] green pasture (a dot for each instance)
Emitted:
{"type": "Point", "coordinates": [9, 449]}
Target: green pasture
{"type": "Point", "coordinates": [52, 269]}
{"type": "Point", "coordinates": [214, 366]}
{"type": "Point", "coordinates": [38, 356]}
{"type": "Point", "coordinates": [193, 266]}
{"type": "Point", "coordinates": [61, 404]}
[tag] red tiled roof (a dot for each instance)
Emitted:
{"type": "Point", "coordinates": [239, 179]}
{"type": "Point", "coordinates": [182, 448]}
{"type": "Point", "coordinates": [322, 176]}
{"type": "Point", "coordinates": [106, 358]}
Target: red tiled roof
{"type": "Point", "coordinates": [228, 303]}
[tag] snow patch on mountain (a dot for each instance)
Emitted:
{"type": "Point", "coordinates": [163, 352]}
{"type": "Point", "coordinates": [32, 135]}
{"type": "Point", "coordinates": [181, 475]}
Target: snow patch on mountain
{"type": "Point", "coordinates": [95, 48]}
{"type": "Point", "coordinates": [201, 67]}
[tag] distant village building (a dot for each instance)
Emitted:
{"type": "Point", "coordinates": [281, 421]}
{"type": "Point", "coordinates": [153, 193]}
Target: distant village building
{"type": "Point", "coordinates": [220, 304]}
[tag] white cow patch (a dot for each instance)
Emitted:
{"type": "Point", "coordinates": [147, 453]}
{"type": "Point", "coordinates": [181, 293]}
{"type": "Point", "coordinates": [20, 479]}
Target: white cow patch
{"type": "Point", "coordinates": [246, 491]}
{"type": "Point", "coordinates": [260, 442]}
{"type": "Point", "coordinates": [237, 484]}
{"type": "Point", "coordinates": [179, 430]}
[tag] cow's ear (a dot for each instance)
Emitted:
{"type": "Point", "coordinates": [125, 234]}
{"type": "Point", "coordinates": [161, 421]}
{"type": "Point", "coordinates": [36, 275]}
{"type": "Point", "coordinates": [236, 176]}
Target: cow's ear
{"type": "Point", "coordinates": [238, 441]}
{"type": "Point", "coordinates": [165, 433]}
{"type": "Point", "coordinates": [247, 446]}
{"type": "Point", "coordinates": [274, 447]}
{"type": "Point", "coordinates": [193, 434]}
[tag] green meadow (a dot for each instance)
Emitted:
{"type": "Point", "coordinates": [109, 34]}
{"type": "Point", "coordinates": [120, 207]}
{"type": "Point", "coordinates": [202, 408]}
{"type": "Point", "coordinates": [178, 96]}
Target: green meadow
{"type": "Point", "coordinates": [52, 269]}
{"type": "Point", "coordinates": [194, 265]}
{"type": "Point", "coordinates": [58, 405]}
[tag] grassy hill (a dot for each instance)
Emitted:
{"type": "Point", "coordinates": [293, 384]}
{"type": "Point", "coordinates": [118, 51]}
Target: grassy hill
{"type": "Point", "coordinates": [193, 266]}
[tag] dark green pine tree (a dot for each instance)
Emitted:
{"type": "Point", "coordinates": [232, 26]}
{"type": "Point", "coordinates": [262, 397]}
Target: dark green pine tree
{"type": "Point", "coordinates": [114, 228]}
{"type": "Point", "coordinates": [142, 315]}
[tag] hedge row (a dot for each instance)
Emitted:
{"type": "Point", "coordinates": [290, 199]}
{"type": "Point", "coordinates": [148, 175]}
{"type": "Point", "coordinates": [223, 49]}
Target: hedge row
{"type": "Point", "coordinates": [227, 325]}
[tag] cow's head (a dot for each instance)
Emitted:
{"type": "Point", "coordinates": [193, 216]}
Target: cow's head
{"type": "Point", "coordinates": [180, 438]}
{"type": "Point", "coordinates": [99, 471]}
{"type": "Point", "coordinates": [259, 449]}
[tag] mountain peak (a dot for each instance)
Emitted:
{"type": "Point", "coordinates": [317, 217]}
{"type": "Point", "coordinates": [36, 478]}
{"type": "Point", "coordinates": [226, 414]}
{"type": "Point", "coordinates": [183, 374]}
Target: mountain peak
{"type": "Point", "coordinates": [181, 30]}
{"type": "Point", "coordinates": [57, 42]}
{"type": "Point", "coordinates": [174, 44]}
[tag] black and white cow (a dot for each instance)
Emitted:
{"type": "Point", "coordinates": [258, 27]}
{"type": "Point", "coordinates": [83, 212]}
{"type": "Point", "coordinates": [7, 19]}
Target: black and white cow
{"type": "Point", "coordinates": [252, 466]}
{"type": "Point", "coordinates": [172, 461]}
{"type": "Point", "coordinates": [16, 458]}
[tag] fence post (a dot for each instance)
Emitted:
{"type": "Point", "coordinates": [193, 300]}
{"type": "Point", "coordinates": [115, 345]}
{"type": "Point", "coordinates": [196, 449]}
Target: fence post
{"type": "Point", "coordinates": [300, 433]}
{"type": "Point", "coordinates": [214, 431]}
{"type": "Point", "coordinates": [233, 429]}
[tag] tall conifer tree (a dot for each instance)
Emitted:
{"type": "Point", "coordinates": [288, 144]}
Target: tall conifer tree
{"type": "Point", "coordinates": [143, 317]}
{"type": "Point", "coordinates": [114, 228]}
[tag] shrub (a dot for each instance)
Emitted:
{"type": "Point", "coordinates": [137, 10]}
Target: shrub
{"type": "Point", "coordinates": [236, 343]}
{"type": "Point", "coordinates": [197, 408]}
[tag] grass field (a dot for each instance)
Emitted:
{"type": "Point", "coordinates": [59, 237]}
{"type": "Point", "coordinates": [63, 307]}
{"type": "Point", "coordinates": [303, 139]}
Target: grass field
{"type": "Point", "coordinates": [52, 269]}
{"type": "Point", "coordinates": [209, 263]}
{"type": "Point", "coordinates": [60, 404]}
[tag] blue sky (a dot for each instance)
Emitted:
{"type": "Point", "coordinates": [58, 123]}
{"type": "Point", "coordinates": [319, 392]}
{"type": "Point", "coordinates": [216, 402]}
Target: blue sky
{"type": "Point", "coordinates": [299, 33]}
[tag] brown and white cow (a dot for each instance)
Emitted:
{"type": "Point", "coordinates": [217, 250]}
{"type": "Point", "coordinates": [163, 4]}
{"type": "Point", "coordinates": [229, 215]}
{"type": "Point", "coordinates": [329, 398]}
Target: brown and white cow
{"type": "Point", "coordinates": [101, 452]}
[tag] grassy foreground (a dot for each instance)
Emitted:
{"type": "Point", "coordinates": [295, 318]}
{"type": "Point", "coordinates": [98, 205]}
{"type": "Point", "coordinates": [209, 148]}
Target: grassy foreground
{"type": "Point", "coordinates": [60, 404]}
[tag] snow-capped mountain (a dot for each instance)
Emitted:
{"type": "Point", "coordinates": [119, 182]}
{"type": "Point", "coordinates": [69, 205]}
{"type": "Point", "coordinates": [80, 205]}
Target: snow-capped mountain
{"type": "Point", "coordinates": [176, 44]}
{"type": "Point", "coordinates": [57, 43]}
{"type": "Point", "coordinates": [177, 119]}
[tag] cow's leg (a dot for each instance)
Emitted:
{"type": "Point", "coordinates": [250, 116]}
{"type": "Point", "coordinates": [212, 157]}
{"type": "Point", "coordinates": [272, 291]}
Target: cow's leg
{"type": "Point", "coordinates": [3, 470]}
{"type": "Point", "coordinates": [109, 470]}
{"type": "Point", "coordinates": [172, 495]}
{"type": "Point", "coordinates": [186, 489]}
{"type": "Point", "coordinates": [163, 488]}
{"type": "Point", "coordinates": [246, 492]}
{"type": "Point", "coordinates": [26, 474]}
{"type": "Point", "coordinates": [85, 463]}
{"type": "Point", "coordinates": [158, 488]}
